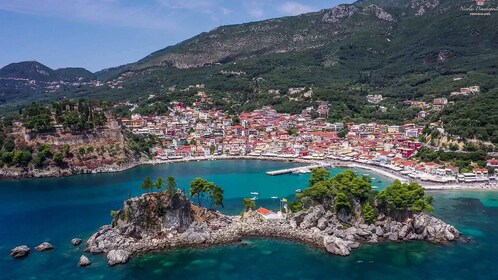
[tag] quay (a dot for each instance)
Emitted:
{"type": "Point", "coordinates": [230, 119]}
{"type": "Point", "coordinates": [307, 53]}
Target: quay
{"type": "Point", "coordinates": [296, 169]}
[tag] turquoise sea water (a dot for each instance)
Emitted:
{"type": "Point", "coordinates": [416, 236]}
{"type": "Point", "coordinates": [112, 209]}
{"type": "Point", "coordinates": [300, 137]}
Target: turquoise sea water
{"type": "Point", "coordinates": [56, 210]}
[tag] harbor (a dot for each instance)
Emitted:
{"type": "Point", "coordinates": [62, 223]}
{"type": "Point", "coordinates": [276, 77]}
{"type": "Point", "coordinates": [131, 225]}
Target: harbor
{"type": "Point", "coordinates": [297, 170]}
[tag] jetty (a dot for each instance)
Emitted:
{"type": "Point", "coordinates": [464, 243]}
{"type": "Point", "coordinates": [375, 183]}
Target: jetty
{"type": "Point", "coordinates": [301, 169]}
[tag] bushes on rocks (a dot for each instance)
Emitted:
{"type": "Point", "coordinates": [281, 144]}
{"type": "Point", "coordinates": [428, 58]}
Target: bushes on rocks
{"type": "Point", "coordinates": [369, 213]}
{"type": "Point", "coordinates": [345, 190]}
{"type": "Point", "coordinates": [405, 197]}
{"type": "Point", "coordinates": [249, 204]}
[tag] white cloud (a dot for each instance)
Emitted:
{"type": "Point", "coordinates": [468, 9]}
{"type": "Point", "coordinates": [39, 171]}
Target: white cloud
{"type": "Point", "coordinates": [294, 8]}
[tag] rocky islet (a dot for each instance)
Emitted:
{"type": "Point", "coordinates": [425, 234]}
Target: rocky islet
{"type": "Point", "coordinates": [155, 222]}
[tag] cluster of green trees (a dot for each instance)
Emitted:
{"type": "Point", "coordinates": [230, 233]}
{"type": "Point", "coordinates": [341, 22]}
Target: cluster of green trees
{"type": "Point", "coordinates": [37, 117]}
{"type": "Point", "coordinates": [170, 186]}
{"type": "Point", "coordinates": [341, 189]}
{"type": "Point", "coordinates": [140, 144]}
{"type": "Point", "coordinates": [22, 157]}
{"type": "Point", "coordinates": [463, 160]}
{"type": "Point", "coordinates": [405, 197]}
{"type": "Point", "coordinates": [206, 192]}
{"type": "Point", "coordinates": [75, 116]}
{"type": "Point", "coordinates": [476, 117]}
{"type": "Point", "coordinates": [344, 190]}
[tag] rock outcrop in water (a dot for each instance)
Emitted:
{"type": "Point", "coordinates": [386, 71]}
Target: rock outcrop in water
{"type": "Point", "coordinates": [76, 241]}
{"type": "Point", "coordinates": [20, 251]}
{"type": "Point", "coordinates": [158, 221]}
{"type": "Point", "coordinates": [45, 246]}
{"type": "Point", "coordinates": [84, 261]}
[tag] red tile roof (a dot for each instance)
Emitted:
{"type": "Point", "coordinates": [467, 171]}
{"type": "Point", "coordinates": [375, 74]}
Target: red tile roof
{"type": "Point", "coordinates": [264, 211]}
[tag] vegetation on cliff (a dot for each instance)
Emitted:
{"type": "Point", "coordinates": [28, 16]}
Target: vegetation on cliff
{"type": "Point", "coordinates": [343, 191]}
{"type": "Point", "coordinates": [206, 192]}
{"type": "Point", "coordinates": [63, 138]}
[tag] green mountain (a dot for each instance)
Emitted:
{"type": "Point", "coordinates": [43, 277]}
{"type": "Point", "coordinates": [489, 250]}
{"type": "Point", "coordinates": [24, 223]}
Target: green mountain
{"type": "Point", "coordinates": [31, 70]}
{"type": "Point", "coordinates": [75, 74]}
{"type": "Point", "coordinates": [28, 81]}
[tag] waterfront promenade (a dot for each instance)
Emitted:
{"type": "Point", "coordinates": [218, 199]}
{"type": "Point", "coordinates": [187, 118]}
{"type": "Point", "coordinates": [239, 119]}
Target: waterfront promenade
{"type": "Point", "coordinates": [389, 173]}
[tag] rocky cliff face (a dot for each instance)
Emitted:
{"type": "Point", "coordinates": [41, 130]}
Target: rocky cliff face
{"type": "Point", "coordinates": [154, 215]}
{"type": "Point", "coordinates": [158, 221]}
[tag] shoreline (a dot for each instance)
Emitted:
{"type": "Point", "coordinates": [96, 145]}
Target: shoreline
{"type": "Point", "coordinates": [429, 186]}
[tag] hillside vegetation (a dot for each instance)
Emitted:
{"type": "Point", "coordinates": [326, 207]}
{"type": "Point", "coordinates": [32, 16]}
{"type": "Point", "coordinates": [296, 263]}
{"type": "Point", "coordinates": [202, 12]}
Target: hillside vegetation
{"type": "Point", "coordinates": [401, 49]}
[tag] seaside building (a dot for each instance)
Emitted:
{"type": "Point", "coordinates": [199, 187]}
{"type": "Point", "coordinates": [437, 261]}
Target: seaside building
{"type": "Point", "coordinates": [268, 214]}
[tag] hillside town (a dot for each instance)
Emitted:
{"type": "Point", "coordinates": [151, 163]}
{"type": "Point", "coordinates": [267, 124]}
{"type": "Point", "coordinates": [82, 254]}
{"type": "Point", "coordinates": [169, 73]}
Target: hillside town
{"type": "Point", "coordinates": [190, 132]}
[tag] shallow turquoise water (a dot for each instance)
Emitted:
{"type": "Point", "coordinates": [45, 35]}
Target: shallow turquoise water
{"type": "Point", "coordinates": [56, 210]}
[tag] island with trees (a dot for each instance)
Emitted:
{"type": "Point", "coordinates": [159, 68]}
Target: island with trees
{"type": "Point", "coordinates": [337, 213]}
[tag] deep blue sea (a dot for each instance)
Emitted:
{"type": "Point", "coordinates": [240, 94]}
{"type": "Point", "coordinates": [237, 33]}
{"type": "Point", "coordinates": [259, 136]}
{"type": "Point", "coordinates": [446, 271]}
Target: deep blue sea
{"type": "Point", "coordinates": [59, 209]}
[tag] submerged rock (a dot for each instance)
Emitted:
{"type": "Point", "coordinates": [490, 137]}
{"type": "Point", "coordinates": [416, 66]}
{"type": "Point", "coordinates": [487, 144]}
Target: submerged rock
{"type": "Point", "coordinates": [20, 251]}
{"type": "Point", "coordinates": [117, 257]}
{"type": "Point", "coordinates": [84, 261]}
{"type": "Point", "coordinates": [45, 246]}
{"type": "Point", "coordinates": [76, 241]}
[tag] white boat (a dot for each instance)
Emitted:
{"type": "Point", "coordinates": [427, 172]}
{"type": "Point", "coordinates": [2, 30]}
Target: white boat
{"type": "Point", "coordinates": [299, 191]}
{"type": "Point", "coordinates": [255, 193]}
{"type": "Point", "coordinates": [254, 198]}
{"type": "Point", "coordinates": [274, 197]}
{"type": "Point", "coordinates": [375, 187]}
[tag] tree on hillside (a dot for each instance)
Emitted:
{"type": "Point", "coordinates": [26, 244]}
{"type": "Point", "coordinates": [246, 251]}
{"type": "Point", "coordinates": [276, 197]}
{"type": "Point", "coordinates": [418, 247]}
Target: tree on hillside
{"type": "Point", "coordinates": [405, 197]}
{"type": "Point", "coordinates": [22, 158]}
{"type": "Point", "coordinates": [147, 184]}
{"type": "Point", "coordinates": [317, 175]}
{"type": "Point", "coordinates": [360, 188]}
{"type": "Point", "coordinates": [216, 194]}
{"type": "Point", "coordinates": [9, 145]}
{"type": "Point", "coordinates": [37, 117]}
{"type": "Point", "coordinates": [369, 213]}
{"type": "Point", "coordinates": [249, 204]}
{"type": "Point", "coordinates": [171, 187]}
{"type": "Point", "coordinates": [159, 184]}
{"type": "Point", "coordinates": [342, 201]}
{"type": "Point", "coordinates": [207, 191]}
{"type": "Point", "coordinates": [59, 159]}
{"type": "Point", "coordinates": [197, 189]}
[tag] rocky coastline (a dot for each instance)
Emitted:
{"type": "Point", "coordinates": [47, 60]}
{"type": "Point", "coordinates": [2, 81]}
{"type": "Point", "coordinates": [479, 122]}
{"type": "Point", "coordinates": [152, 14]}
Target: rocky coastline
{"type": "Point", "coordinates": [158, 221]}
{"type": "Point", "coordinates": [53, 171]}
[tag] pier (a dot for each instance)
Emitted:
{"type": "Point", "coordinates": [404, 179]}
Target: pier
{"type": "Point", "coordinates": [301, 169]}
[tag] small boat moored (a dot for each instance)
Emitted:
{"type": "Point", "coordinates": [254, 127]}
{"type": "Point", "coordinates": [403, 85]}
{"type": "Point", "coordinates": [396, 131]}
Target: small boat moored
{"type": "Point", "coordinates": [299, 191]}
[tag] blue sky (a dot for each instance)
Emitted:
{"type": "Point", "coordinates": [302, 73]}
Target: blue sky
{"type": "Point", "coordinates": [98, 34]}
